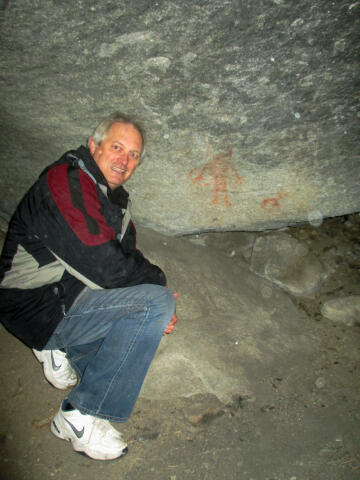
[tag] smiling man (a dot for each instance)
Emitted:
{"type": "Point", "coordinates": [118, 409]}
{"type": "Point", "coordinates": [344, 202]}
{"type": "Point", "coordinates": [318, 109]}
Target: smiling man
{"type": "Point", "coordinates": [119, 153]}
{"type": "Point", "coordinates": [76, 290]}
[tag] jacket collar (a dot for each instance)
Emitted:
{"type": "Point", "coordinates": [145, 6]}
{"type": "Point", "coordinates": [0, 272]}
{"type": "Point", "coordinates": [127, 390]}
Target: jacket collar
{"type": "Point", "coordinates": [119, 195]}
{"type": "Point", "coordinates": [83, 153]}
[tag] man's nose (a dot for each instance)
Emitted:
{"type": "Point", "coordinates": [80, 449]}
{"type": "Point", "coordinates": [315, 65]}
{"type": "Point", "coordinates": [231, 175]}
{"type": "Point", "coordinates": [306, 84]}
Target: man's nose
{"type": "Point", "coordinates": [123, 157]}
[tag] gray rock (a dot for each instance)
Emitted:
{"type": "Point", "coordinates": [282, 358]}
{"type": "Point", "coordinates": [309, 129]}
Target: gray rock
{"type": "Point", "coordinates": [234, 330]}
{"type": "Point", "coordinates": [250, 108]}
{"type": "Point", "coordinates": [288, 263]}
{"type": "Point", "coordinates": [232, 244]}
{"type": "Point", "coordinates": [343, 310]}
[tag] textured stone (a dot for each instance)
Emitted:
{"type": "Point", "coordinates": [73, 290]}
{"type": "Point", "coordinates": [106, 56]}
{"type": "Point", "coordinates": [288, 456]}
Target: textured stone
{"type": "Point", "coordinates": [250, 107]}
{"type": "Point", "coordinates": [234, 327]}
{"type": "Point", "coordinates": [231, 244]}
{"type": "Point", "coordinates": [343, 310]}
{"type": "Point", "coordinates": [287, 262]}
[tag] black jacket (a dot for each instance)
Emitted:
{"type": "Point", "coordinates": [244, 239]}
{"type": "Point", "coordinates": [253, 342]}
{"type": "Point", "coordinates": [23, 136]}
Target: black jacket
{"type": "Point", "coordinates": [69, 230]}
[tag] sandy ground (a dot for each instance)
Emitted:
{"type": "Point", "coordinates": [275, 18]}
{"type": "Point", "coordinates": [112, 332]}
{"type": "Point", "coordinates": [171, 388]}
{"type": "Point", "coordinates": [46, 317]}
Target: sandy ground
{"type": "Point", "coordinates": [300, 429]}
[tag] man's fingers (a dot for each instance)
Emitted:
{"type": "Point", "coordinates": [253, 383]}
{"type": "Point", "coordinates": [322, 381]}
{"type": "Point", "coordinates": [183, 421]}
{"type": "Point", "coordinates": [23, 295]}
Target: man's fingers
{"type": "Point", "coordinates": [171, 325]}
{"type": "Point", "coordinates": [169, 329]}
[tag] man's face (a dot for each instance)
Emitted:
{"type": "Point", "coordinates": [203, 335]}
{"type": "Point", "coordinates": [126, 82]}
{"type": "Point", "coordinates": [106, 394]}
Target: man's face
{"type": "Point", "coordinates": [118, 154]}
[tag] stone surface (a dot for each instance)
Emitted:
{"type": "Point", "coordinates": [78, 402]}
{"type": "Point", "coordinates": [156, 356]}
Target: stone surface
{"type": "Point", "coordinates": [233, 325]}
{"type": "Point", "coordinates": [288, 263]}
{"type": "Point", "coordinates": [250, 107]}
{"type": "Point", "coordinates": [232, 244]}
{"type": "Point", "coordinates": [343, 310]}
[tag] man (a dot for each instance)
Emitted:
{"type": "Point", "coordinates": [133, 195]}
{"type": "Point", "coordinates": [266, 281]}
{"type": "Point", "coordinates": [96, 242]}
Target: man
{"type": "Point", "coordinates": [76, 290]}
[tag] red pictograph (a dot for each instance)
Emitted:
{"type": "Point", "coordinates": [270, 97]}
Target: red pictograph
{"type": "Point", "coordinates": [274, 201]}
{"type": "Point", "coordinates": [220, 171]}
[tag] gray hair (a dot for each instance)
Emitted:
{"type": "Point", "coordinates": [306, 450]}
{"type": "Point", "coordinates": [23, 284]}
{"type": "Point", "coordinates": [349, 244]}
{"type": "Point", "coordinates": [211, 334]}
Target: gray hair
{"type": "Point", "coordinates": [103, 128]}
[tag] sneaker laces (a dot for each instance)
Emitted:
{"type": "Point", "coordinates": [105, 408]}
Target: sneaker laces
{"type": "Point", "coordinates": [105, 428]}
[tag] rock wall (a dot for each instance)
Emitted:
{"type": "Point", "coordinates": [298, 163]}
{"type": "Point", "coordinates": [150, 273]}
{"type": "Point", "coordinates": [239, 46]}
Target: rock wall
{"type": "Point", "coordinates": [251, 108]}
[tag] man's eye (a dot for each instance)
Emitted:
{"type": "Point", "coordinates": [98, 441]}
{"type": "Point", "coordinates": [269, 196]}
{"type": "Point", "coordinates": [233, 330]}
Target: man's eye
{"type": "Point", "coordinates": [135, 156]}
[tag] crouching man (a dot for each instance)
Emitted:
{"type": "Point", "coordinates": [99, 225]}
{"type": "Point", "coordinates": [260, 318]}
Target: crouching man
{"type": "Point", "coordinates": [75, 289]}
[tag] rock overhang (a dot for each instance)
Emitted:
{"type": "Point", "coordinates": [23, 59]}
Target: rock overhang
{"type": "Point", "coordinates": [249, 109]}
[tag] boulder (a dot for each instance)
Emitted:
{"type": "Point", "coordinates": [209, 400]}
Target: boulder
{"type": "Point", "coordinates": [249, 107]}
{"type": "Point", "coordinates": [343, 310]}
{"type": "Point", "coordinates": [235, 328]}
{"type": "Point", "coordinates": [288, 263]}
{"type": "Point", "coordinates": [232, 244]}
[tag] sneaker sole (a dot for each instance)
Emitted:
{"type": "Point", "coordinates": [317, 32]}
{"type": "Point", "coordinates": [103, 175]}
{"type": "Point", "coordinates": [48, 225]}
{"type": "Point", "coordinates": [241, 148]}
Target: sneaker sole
{"type": "Point", "coordinates": [84, 454]}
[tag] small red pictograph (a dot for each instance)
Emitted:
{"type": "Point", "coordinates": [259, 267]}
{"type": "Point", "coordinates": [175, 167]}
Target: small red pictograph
{"type": "Point", "coordinates": [274, 201]}
{"type": "Point", "coordinates": [220, 171]}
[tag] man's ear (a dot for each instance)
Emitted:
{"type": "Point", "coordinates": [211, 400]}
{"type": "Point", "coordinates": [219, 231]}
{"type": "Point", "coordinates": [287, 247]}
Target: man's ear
{"type": "Point", "coordinates": [92, 145]}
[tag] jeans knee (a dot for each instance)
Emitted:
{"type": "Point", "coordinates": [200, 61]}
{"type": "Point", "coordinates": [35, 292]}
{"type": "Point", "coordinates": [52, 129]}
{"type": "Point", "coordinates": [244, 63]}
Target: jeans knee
{"type": "Point", "coordinates": [163, 298]}
{"type": "Point", "coordinates": [170, 300]}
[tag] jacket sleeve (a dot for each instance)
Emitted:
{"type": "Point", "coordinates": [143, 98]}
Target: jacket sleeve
{"type": "Point", "coordinates": [71, 224]}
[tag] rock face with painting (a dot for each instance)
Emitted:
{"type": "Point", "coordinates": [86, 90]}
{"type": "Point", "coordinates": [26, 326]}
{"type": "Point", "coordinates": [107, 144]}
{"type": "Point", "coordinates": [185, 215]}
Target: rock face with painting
{"type": "Point", "coordinates": [249, 107]}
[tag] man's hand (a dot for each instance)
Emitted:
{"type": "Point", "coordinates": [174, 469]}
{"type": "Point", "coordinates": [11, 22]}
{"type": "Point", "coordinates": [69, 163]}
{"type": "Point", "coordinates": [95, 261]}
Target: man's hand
{"type": "Point", "coordinates": [171, 325]}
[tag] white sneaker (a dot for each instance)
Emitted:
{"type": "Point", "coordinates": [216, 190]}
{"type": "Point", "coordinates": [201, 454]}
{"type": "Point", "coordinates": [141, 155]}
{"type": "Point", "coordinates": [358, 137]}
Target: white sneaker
{"type": "Point", "coordinates": [57, 368]}
{"type": "Point", "coordinates": [94, 437]}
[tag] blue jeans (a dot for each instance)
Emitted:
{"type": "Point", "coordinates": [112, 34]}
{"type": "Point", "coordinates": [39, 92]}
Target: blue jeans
{"type": "Point", "coordinates": [110, 337]}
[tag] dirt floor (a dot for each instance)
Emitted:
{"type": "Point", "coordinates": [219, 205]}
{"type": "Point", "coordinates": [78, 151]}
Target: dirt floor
{"type": "Point", "coordinates": [299, 430]}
